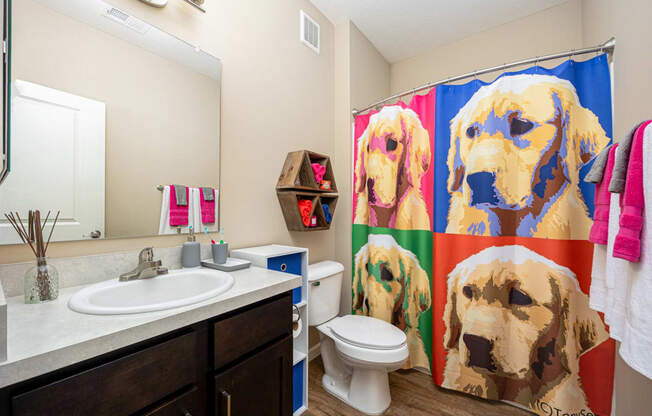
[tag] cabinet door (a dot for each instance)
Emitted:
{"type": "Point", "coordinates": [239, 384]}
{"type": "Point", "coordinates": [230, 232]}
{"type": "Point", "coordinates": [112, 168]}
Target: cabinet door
{"type": "Point", "coordinates": [261, 385]}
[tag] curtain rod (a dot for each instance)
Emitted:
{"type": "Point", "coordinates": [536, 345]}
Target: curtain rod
{"type": "Point", "coordinates": [607, 46]}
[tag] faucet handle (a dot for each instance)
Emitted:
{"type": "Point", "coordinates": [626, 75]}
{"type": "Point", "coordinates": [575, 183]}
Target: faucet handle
{"type": "Point", "coordinates": [146, 254]}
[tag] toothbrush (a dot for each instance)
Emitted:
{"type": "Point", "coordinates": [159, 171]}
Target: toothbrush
{"type": "Point", "coordinates": [221, 233]}
{"type": "Point", "coordinates": [206, 231]}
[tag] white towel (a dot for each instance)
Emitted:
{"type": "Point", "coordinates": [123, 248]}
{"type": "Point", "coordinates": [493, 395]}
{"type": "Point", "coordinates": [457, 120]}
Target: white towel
{"type": "Point", "coordinates": [637, 338]}
{"type": "Point", "coordinates": [598, 292]}
{"type": "Point", "coordinates": [616, 277]}
{"type": "Point", "coordinates": [164, 223]}
{"type": "Point", "coordinates": [196, 211]}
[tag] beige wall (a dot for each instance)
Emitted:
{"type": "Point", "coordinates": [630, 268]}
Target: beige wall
{"type": "Point", "coordinates": [549, 31]}
{"type": "Point", "coordinates": [277, 96]}
{"type": "Point", "coordinates": [159, 129]}
{"type": "Point", "coordinates": [361, 75]}
{"type": "Point", "coordinates": [368, 81]}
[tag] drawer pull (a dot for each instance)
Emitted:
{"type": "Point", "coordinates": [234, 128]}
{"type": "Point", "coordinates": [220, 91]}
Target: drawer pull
{"type": "Point", "coordinates": [227, 396]}
{"type": "Point", "coordinates": [284, 267]}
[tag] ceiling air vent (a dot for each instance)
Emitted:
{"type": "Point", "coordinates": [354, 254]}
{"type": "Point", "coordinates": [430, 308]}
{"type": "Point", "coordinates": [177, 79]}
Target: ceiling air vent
{"type": "Point", "coordinates": [121, 17]}
{"type": "Point", "coordinates": [309, 34]}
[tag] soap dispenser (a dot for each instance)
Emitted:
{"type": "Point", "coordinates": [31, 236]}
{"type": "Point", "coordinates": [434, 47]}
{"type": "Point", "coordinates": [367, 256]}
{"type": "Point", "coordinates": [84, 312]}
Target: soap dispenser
{"type": "Point", "coordinates": [191, 251]}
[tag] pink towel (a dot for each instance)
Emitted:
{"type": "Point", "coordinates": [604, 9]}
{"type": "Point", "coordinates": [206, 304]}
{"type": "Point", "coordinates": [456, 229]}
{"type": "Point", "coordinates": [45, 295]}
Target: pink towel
{"type": "Point", "coordinates": [319, 171]}
{"type": "Point", "coordinates": [600, 228]}
{"type": "Point", "coordinates": [178, 213]}
{"type": "Point", "coordinates": [627, 244]}
{"type": "Point", "coordinates": [207, 208]}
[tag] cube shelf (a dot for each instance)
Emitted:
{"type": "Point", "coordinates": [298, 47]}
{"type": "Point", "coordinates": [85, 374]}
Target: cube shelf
{"type": "Point", "coordinates": [297, 182]}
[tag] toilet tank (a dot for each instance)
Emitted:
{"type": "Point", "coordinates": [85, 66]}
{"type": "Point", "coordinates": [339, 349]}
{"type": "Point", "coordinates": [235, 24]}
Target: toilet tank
{"type": "Point", "coordinates": [324, 288]}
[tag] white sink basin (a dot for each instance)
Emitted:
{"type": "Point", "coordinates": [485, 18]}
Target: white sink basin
{"type": "Point", "coordinates": [177, 288]}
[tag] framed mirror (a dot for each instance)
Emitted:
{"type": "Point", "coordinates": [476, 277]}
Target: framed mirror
{"type": "Point", "coordinates": [107, 111]}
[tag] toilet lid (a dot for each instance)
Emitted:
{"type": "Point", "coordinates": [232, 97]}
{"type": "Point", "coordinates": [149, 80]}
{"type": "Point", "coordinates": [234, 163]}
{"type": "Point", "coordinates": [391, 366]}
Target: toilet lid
{"type": "Point", "coordinates": [367, 332]}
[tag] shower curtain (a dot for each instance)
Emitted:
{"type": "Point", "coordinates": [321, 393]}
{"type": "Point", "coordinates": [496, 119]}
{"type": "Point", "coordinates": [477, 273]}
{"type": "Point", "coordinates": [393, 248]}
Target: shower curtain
{"type": "Point", "coordinates": [470, 227]}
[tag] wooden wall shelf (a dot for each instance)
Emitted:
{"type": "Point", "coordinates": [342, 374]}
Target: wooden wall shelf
{"type": "Point", "coordinates": [297, 182]}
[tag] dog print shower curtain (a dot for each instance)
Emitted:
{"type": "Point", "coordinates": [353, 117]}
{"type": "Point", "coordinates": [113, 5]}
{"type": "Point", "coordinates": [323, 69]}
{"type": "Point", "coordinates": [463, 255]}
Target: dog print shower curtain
{"type": "Point", "coordinates": [470, 228]}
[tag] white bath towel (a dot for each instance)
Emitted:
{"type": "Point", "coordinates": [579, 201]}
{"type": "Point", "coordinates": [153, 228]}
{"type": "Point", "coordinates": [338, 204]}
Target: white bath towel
{"type": "Point", "coordinates": [598, 291]}
{"type": "Point", "coordinates": [637, 338]}
{"type": "Point", "coordinates": [164, 227]}
{"type": "Point", "coordinates": [616, 277]}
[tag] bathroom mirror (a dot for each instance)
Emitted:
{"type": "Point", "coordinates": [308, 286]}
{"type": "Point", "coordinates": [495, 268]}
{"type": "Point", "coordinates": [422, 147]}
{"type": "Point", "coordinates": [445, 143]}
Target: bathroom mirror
{"type": "Point", "coordinates": [105, 108]}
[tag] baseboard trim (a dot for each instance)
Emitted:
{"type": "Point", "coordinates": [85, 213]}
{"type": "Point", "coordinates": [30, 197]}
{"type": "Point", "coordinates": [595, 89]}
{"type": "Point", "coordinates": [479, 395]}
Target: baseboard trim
{"type": "Point", "coordinates": [314, 352]}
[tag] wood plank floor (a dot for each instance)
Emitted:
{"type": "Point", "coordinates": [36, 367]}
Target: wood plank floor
{"type": "Point", "coordinates": [413, 394]}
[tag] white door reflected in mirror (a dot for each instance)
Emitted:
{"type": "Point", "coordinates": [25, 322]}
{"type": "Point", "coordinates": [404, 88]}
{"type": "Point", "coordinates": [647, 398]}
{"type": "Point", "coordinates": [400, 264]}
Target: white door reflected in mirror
{"type": "Point", "coordinates": [58, 159]}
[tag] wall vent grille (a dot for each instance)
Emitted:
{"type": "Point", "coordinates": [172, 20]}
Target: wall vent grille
{"type": "Point", "coordinates": [123, 18]}
{"type": "Point", "coordinates": [309, 33]}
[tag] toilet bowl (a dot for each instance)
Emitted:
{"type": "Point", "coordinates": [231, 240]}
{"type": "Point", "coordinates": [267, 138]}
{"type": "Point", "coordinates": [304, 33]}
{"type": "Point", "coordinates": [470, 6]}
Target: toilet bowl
{"type": "Point", "coordinates": [358, 351]}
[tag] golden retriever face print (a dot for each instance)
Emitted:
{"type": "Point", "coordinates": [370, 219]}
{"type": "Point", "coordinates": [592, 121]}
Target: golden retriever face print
{"type": "Point", "coordinates": [516, 149]}
{"type": "Point", "coordinates": [393, 155]}
{"type": "Point", "coordinates": [389, 284]}
{"type": "Point", "coordinates": [516, 326]}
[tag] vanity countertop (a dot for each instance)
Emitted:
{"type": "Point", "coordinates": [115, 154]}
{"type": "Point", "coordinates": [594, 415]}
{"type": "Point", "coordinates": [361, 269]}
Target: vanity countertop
{"type": "Point", "coordinates": [48, 336]}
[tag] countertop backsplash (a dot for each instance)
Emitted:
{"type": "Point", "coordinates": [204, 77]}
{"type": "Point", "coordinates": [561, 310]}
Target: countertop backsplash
{"type": "Point", "coordinates": [75, 271]}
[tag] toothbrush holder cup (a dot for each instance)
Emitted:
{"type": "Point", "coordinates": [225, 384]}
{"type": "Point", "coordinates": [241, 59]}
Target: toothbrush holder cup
{"type": "Point", "coordinates": [220, 252]}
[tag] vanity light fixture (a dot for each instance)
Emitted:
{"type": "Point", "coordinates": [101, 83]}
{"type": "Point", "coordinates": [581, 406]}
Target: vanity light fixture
{"type": "Point", "coordinates": [156, 3]}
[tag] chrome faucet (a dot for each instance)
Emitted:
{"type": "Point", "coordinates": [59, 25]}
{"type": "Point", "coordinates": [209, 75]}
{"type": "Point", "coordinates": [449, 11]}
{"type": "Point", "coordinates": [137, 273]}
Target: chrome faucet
{"type": "Point", "coordinates": [147, 267]}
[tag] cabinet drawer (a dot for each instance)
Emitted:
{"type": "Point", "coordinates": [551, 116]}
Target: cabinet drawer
{"type": "Point", "coordinates": [119, 387]}
{"type": "Point", "coordinates": [186, 403]}
{"type": "Point", "coordinates": [287, 264]}
{"type": "Point", "coordinates": [290, 263]}
{"type": "Point", "coordinates": [240, 334]}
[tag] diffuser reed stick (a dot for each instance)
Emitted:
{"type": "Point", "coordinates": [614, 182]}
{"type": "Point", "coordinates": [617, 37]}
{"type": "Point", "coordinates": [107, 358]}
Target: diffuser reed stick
{"type": "Point", "coordinates": [41, 283]}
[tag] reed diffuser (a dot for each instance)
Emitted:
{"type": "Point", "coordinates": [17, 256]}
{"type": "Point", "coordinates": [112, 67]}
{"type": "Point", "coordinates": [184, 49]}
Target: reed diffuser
{"type": "Point", "coordinates": [42, 280]}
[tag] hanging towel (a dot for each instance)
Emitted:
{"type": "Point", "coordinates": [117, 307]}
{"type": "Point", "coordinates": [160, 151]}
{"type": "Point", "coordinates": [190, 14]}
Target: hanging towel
{"type": "Point", "coordinates": [178, 213]}
{"type": "Point", "coordinates": [181, 195]}
{"type": "Point", "coordinates": [599, 230]}
{"type": "Point", "coordinates": [196, 200]}
{"type": "Point", "coordinates": [207, 205]}
{"type": "Point", "coordinates": [164, 226]}
{"type": "Point", "coordinates": [617, 183]}
{"type": "Point", "coordinates": [599, 164]}
{"type": "Point", "coordinates": [628, 241]}
{"type": "Point", "coordinates": [616, 276]}
{"type": "Point", "coordinates": [207, 193]}
{"type": "Point", "coordinates": [637, 339]}
{"type": "Point", "coordinates": [599, 236]}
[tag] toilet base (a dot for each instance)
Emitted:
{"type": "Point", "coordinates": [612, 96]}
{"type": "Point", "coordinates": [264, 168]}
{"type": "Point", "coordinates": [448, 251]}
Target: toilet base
{"type": "Point", "coordinates": [367, 392]}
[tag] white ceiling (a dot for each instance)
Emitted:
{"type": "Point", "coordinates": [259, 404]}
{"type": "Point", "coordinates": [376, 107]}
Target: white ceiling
{"type": "Point", "coordinates": [400, 29]}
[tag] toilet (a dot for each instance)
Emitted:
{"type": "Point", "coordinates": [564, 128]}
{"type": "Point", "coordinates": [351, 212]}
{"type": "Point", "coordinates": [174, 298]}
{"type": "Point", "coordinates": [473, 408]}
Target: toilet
{"type": "Point", "coordinates": [358, 351]}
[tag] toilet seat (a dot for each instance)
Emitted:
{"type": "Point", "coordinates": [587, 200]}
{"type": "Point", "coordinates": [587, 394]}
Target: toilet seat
{"type": "Point", "coordinates": [363, 340]}
{"type": "Point", "coordinates": [367, 332]}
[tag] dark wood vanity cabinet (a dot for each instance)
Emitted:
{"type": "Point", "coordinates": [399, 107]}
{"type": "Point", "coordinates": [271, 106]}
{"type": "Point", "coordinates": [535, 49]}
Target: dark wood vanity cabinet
{"type": "Point", "coordinates": [259, 385]}
{"type": "Point", "coordinates": [236, 364]}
